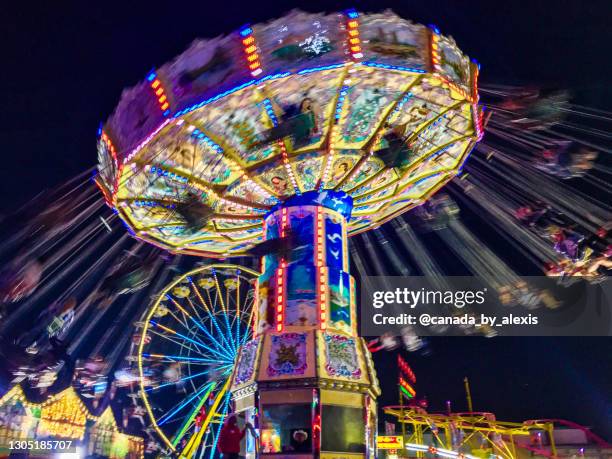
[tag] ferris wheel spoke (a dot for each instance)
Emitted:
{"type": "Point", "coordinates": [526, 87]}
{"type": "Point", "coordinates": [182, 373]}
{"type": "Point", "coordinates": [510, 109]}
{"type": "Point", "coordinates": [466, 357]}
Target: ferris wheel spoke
{"type": "Point", "coordinates": [221, 399]}
{"type": "Point", "coordinates": [179, 358]}
{"type": "Point", "coordinates": [237, 316]}
{"type": "Point", "coordinates": [178, 343]}
{"type": "Point", "coordinates": [209, 312]}
{"type": "Point", "coordinates": [222, 350]}
{"type": "Point", "coordinates": [166, 417]}
{"type": "Point", "coordinates": [225, 315]}
{"type": "Point", "coordinates": [188, 378]}
{"type": "Point", "coordinates": [182, 322]}
{"type": "Point", "coordinates": [207, 435]}
{"type": "Point", "coordinates": [186, 338]}
{"type": "Point", "coordinates": [195, 310]}
{"type": "Point", "coordinates": [228, 397]}
{"type": "Point", "coordinates": [190, 418]}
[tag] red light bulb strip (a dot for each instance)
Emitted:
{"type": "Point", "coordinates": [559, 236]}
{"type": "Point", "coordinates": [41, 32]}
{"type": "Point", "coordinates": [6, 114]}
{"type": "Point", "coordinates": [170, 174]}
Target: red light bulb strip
{"type": "Point", "coordinates": [250, 51]}
{"type": "Point", "coordinates": [353, 40]}
{"type": "Point", "coordinates": [159, 92]}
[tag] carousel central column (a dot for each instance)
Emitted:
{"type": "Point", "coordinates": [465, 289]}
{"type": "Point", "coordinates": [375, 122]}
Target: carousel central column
{"type": "Point", "coordinates": [306, 379]}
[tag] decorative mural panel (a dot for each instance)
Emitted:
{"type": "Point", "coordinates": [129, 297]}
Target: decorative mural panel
{"type": "Point", "coordinates": [389, 39]}
{"type": "Point", "coordinates": [301, 40]}
{"type": "Point", "coordinates": [341, 357]}
{"type": "Point", "coordinates": [340, 300]}
{"type": "Point", "coordinates": [301, 307]}
{"type": "Point", "coordinates": [454, 63]}
{"type": "Point", "coordinates": [369, 98]}
{"type": "Point", "coordinates": [287, 355]}
{"type": "Point", "coordinates": [248, 360]}
{"type": "Point", "coordinates": [206, 67]}
{"type": "Point", "coordinates": [304, 104]}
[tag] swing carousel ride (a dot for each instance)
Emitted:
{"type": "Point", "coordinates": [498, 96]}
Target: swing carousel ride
{"type": "Point", "coordinates": [281, 141]}
{"type": "Point", "coordinates": [273, 146]}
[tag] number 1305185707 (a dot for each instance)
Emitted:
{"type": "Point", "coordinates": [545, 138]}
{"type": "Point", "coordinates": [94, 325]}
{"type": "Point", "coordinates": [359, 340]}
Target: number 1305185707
{"type": "Point", "coordinates": [41, 445]}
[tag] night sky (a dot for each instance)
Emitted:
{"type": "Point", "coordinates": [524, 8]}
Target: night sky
{"type": "Point", "coordinates": [64, 68]}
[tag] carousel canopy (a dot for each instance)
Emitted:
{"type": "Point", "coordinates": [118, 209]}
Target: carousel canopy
{"type": "Point", "coordinates": [373, 106]}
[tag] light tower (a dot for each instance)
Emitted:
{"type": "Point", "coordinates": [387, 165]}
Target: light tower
{"type": "Point", "coordinates": [306, 378]}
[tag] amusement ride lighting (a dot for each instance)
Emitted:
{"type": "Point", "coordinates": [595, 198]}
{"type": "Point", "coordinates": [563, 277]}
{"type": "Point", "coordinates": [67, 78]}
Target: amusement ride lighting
{"type": "Point", "coordinates": [405, 369]}
{"type": "Point", "coordinates": [436, 60]}
{"type": "Point", "coordinates": [406, 388]}
{"type": "Point", "coordinates": [160, 93]}
{"type": "Point", "coordinates": [353, 40]}
{"type": "Point", "coordinates": [250, 50]}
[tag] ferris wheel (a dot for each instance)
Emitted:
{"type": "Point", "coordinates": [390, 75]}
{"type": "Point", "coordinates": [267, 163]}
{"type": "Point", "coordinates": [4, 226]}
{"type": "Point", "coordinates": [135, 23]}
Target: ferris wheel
{"type": "Point", "coordinates": [188, 346]}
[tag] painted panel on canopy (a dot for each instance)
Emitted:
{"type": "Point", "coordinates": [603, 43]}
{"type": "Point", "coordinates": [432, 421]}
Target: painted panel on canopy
{"type": "Point", "coordinates": [277, 180]}
{"type": "Point", "coordinates": [308, 171]}
{"type": "Point", "coordinates": [144, 216]}
{"type": "Point", "coordinates": [306, 102]}
{"type": "Point", "coordinates": [422, 186]}
{"type": "Point", "coordinates": [301, 40]}
{"type": "Point", "coordinates": [107, 166]}
{"type": "Point", "coordinates": [248, 236]}
{"type": "Point", "coordinates": [435, 91]}
{"type": "Point", "coordinates": [451, 157]}
{"type": "Point", "coordinates": [440, 133]}
{"type": "Point", "coordinates": [371, 166]}
{"type": "Point", "coordinates": [405, 121]}
{"type": "Point", "coordinates": [388, 39]}
{"type": "Point", "coordinates": [446, 159]}
{"type": "Point", "coordinates": [455, 65]}
{"type": "Point", "coordinates": [211, 244]}
{"type": "Point", "coordinates": [197, 159]}
{"type": "Point", "coordinates": [419, 109]}
{"type": "Point", "coordinates": [162, 145]}
{"type": "Point", "coordinates": [456, 154]}
{"type": "Point", "coordinates": [136, 116]}
{"type": "Point", "coordinates": [403, 204]}
{"type": "Point", "coordinates": [238, 121]}
{"type": "Point", "coordinates": [236, 225]}
{"type": "Point", "coordinates": [175, 235]}
{"type": "Point", "coordinates": [367, 208]}
{"type": "Point", "coordinates": [251, 192]}
{"type": "Point", "coordinates": [369, 97]}
{"type": "Point", "coordinates": [206, 69]}
{"type": "Point", "coordinates": [149, 184]}
{"type": "Point", "coordinates": [233, 208]}
{"type": "Point", "coordinates": [358, 223]}
{"type": "Point", "coordinates": [432, 137]}
{"type": "Point", "coordinates": [384, 179]}
{"type": "Point", "coordinates": [380, 193]}
{"type": "Point", "coordinates": [342, 163]}
{"type": "Point", "coordinates": [460, 119]}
